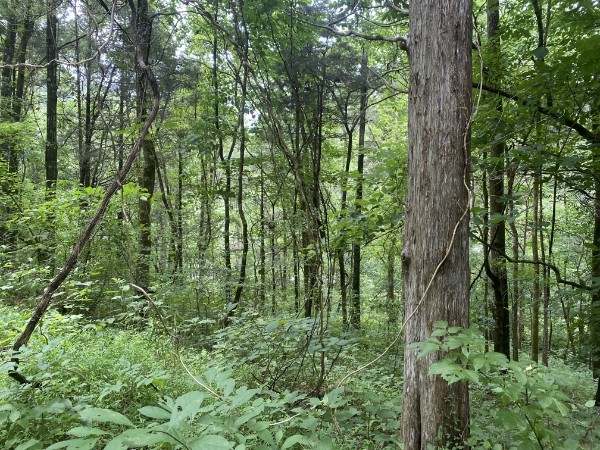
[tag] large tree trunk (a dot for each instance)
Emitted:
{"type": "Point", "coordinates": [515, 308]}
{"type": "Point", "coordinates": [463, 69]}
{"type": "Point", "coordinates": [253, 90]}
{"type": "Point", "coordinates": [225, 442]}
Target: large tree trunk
{"type": "Point", "coordinates": [51, 150]}
{"type": "Point", "coordinates": [341, 251]}
{"type": "Point", "coordinates": [240, 191]}
{"type": "Point", "coordinates": [435, 257]}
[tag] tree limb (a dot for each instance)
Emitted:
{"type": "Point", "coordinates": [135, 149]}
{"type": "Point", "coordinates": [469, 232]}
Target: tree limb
{"type": "Point", "coordinates": [556, 270]}
{"type": "Point", "coordinates": [584, 132]}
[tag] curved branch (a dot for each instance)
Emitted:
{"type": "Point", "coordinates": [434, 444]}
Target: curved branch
{"type": "Point", "coordinates": [584, 132]}
{"type": "Point", "coordinates": [556, 270]}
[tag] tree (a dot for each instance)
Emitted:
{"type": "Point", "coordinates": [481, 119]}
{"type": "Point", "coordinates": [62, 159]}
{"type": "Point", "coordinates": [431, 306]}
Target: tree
{"type": "Point", "coordinates": [496, 265]}
{"type": "Point", "coordinates": [435, 259]}
{"type": "Point", "coordinates": [142, 38]}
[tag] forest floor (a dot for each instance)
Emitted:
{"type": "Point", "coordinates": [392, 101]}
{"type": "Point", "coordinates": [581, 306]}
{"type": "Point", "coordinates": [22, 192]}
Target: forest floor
{"type": "Point", "coordinates": [260, 383]}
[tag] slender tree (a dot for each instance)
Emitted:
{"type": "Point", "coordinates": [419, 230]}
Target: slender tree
{"type": "Point", "coordinates": [362, 126]}
{"type": "Point", "coordinates": [148, 178]}
{"type": "Point", "coordinates": [497, 265]}
{"type": "Point", "coordinates": [51, 154]}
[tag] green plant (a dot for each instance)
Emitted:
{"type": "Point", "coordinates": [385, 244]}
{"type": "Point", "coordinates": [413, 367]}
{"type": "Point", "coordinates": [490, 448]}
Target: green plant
{"type": "Point", "coordinates": [522, 404]}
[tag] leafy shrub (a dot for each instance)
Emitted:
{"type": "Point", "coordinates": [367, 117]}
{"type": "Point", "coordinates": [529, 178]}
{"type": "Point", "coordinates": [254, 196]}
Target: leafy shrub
{"type": "Point", "coordinates": [521, 405]}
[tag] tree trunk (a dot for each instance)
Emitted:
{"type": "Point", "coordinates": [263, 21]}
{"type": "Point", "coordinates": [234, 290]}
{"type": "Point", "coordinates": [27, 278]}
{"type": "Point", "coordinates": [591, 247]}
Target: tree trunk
{"type": "Point", "coordinates": [272, 229]}
{"type": "Point", "coordinates": [51, 151]}
{"type": "Point", "coordinates": [341, 251]}
{"type": "Point", "coordinates": [144, 207]}
{"type": "Point", "coordinates": [392, 307]}
{"type": "Point", "coordinates": [595, 305]}
{"type": "Point", "coordinates": [498, 274]}
{"type": "Point", "coordinates": [535, 301]}
{"type": "Point", "coordinates": [240, 186]}
{"type": "Point", "coordinates": [435, 258]}
{"type": "Point", "coordinates": [362, 124]}
{"type": "Point", "coordinates": [516, 336]}
{"type": "Point", "coordinates": [144, 33]}
{"type": "Point", "coordinates": [51, 98]}
{"type": "Point", "coordinates": [262, 252]}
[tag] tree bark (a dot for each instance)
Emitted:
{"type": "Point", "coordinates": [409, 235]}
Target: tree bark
{"type": "Point", "coordinates": [435, 257]}
{"type": "Point", "coordinates": [240, 194]}
{"type": "Point", "coordinates": [595, 305]}
{"type": "Point", "coordinates": [391, 283]}
{"type": "Point", "coordinates": [498, 275]}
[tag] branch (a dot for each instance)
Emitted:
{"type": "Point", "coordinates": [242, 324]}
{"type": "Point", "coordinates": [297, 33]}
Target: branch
{"type": "Point", "coordinates": [556, 270]}
{"type": "Point", "coordinates": [585, 133]}
{"type": "Point", "coordinates": [402, 40]}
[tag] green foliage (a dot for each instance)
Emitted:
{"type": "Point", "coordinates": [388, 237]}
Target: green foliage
{"type": "Point", "coordinates": [283, 353]}
{"type": "Point", "coordinates": [523, 405]}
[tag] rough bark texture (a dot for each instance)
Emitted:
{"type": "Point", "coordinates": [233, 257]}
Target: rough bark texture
{"type": "Point", "coordinates": [144, 210]}
{"type": "Point", "coordinates": [435, 257]}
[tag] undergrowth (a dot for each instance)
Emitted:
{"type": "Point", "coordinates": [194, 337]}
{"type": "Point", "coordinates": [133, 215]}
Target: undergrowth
{"type": "Point", "coordinates": [264, 384]}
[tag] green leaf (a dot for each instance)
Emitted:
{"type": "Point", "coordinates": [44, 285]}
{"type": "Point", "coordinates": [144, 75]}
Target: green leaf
{"type": "Point", "coordinates": [242, 396]}
{"type": "Point", "coordinates": [479, 361]}
{"type": "Point", "coordinates": [154, 412]}
{"type": "Point", "coordinates": [210, 442]}
{"type": "Point", "coordinates": [545, 401]}
{"type": "Point", "coordinates": [445, 368]}
{"type": "Point", "coordinates": [266, 436]}
{"type": "Point", "coordinates": [135, 438]}
{"type": "Point", "coordinates": [590, 403]}
{"type": "Point", "coordinates": [75, 444]}
{"type": "Point", "coordinates": [30, 444]}
{"type": "Point", "coordinates": [309, 424]}
{"type": "Point", "coordinates": [86, 431]}
{"type": "Point", "coordinates": [105, 415]}
{"type": "Point", "coordinates": [335, 399]}
{"type": "Point", "coordinates": [295, 439]}
{"type": "Point", "coordinates": [426, 348]}
{"type": "Point", "coordinates": [259, 426]}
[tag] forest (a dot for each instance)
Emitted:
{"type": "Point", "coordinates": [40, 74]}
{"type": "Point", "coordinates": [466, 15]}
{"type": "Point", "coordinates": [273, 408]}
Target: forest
{"type": "Point", "coordinates": [299, 224]}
